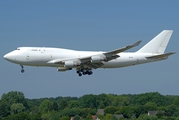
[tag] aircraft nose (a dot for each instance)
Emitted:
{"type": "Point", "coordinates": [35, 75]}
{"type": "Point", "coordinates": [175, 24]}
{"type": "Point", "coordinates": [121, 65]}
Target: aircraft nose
{"type": "Point", "coordinates": [9, 57]}
{"type": "Point", "coordinates": [6, 56]}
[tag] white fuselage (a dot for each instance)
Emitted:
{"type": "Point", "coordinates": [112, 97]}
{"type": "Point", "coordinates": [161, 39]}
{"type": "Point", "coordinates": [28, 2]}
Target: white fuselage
{"type": "Point", "coordinates": [40, 56]}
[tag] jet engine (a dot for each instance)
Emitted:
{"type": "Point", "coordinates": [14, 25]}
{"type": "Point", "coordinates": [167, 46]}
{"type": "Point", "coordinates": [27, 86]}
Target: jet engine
{"type": "Point", "coordinates": [97, 59]}
{"type": "Point", "coordinates": [70, 64]}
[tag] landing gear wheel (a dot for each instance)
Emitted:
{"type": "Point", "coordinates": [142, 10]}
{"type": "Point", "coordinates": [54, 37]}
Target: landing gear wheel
{"type": "Point", "coordinates": [83, 71]}
{"type": "Point", "coordinates": [22, 71]}
{"type": "Point", "coordinates": [78, 71]}
{"type": "Point", "coordinates": [90, 73]}
{"type": "Point", "coordinates": [80, 74]}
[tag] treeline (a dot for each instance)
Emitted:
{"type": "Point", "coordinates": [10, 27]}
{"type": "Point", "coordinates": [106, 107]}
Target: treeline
{"type": "Point", "coordinates": [14, 106]}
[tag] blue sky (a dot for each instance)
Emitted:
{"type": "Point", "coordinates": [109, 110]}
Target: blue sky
{"type": "Point", "coordinates": [88, 25]}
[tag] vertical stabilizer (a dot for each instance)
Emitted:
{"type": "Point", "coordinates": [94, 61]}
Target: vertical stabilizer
{"type": "Point", "coordinates": [158, 44]}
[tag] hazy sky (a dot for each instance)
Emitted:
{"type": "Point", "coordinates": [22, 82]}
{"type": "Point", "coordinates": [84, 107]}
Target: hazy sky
{"type": "Point", "coordinates": [100, 25]}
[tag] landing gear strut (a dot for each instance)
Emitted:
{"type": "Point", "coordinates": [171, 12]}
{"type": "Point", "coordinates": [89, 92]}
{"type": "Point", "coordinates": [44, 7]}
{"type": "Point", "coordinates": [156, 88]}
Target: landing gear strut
{"type": "Point", "coordinates": [81, 72]}
{"type": "Point", "coordinates": [22, 70]}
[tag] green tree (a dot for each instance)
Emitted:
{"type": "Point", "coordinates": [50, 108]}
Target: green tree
{"type": "Point", "coordinates": [19, 116]}
{"type": "Point", "coordinates": [65, 118]}
{"type": "Point", "coordinates": [154, 97]}
{"type": "Point", "coordinates": [17, 108]}
{"type": "Point", "coordinates": [4, 109]}
{"type": "Point", "coordinates": [14, 97]}
{"type": "Point", "coordinates": [86, 111]}
{"type": "Point", "coordinates": [88, 117]}
{"type": "Point", "coordinates": [110, 110]}
{"type": "Point", "coordinates": [140, 110]}
{"type": "Point", "coordinates": [45, 116]}
{"type": "Point", "coordinates": [123, 100]}
{"type": "Point", "coordinates": [55, 115]}
{"type": "Point", "coordinates": [52, 115]}
{"type": "Point", "coordinates": [150, 106]}
{"type": "Point", "coordinates": [55, 106]}
{"type": "Point", "coordinates": [146, 117]}
{"type": "Point", "coordinates": [70, 112]}
{"type": "Point", "coordinates": [159, 114]}
{"type": "Point", "coordinates": [176, 101]}
{"type": "Point", "coordinates": [45, 106]}
{"type": "Point", "coordinates": [63, 104]}
{"type": "Point", "coordinates": [114, 118]}
{"type": "Point", "coordinates": [36, 116]}
{"type": "Point", "coordinates": [102, 101]}
{"type": "Point", "coordinates": [73, 104]}
{"type": "Point", "coordinates": [76, 117]}
{"type": "Point", "coordinates": [108, 117]}
{"type": "Point", "coordinates": [125, 111]}
{"type": "Point", "coordinates": [171, 110]}
{"type": "Point", "coordinates": [88, 101]}
{"type": "Point", "coordinates": [10, 98]}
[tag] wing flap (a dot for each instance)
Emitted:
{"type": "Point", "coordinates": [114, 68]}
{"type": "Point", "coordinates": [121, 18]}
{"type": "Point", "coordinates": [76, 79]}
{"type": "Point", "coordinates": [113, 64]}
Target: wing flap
{"type": "Point", "coordinates": [93, 65]}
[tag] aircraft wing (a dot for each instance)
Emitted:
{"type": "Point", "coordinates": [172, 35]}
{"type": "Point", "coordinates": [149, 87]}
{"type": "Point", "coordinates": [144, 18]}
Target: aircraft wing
{"type": "Point", "coordinates": [165, 55]}
{"type": "Point", "coordinates": [107, 56]}
{"type": "Point", "coordinates": [114, 52]}
{"type": "Point", "coordinates": [95, 61]}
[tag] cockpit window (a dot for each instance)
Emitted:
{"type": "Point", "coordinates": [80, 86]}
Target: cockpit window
{"type": "Point", "coordinates": [18, 49]}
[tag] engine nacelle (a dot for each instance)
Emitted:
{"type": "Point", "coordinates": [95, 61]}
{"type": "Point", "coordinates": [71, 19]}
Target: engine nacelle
{"type": "Point", "coordinates": [62, 69]}
{"type": "Point", "coordinates": [70, 64]}
{"type": "Point", "coordinates": [97, 59]}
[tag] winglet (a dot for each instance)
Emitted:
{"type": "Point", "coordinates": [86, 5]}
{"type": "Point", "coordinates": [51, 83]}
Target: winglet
{"type": "Point", "coordinates": [137, 43]}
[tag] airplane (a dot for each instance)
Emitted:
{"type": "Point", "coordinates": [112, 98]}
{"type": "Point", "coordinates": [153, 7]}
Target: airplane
{"type": "Point", "coordinates": [85, 61]}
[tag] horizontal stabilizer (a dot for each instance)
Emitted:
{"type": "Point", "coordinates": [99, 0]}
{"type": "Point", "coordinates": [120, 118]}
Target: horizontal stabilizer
{"type": "Point", "coordinates": [161, 55]}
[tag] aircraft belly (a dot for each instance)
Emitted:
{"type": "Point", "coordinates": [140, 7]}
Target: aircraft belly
{"type": "Point", "coordinates": [118, 63]}
{"type": "Point", "coordinates": [125, 60]}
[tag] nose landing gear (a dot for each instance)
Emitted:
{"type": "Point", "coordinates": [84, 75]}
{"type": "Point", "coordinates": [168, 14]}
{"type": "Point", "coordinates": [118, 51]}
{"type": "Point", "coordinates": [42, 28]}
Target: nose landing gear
{"type": "Point", "coordinates": [22, 70]}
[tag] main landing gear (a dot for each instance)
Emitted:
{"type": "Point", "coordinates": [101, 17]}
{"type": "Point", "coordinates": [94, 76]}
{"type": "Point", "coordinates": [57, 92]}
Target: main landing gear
{"type": "Point", "coordinates": [22, 70]}
{"type": "Point", "coordinates": [84, 72]}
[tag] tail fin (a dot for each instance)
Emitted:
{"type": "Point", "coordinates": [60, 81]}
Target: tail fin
{"type": "Point", "coordinates": [158, 44]}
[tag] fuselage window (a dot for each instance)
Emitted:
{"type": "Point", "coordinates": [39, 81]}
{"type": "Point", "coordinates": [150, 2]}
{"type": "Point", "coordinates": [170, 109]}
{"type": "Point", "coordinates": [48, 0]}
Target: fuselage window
{"type": "Point", "coordinates": [34, 50]}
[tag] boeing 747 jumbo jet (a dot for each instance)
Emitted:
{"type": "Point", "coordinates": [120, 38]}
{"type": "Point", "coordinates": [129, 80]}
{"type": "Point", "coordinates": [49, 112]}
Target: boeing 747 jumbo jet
{"type": "Point", "coordinates": [85, 61]}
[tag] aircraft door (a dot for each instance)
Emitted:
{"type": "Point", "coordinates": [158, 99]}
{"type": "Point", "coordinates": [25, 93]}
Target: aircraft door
{"type": "Point", "coordinates": [28, 57]}
{"type": "Point", "coordinates": [51, 56]}
{"type": "Point", "coordinates": [42, 50]}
